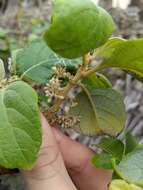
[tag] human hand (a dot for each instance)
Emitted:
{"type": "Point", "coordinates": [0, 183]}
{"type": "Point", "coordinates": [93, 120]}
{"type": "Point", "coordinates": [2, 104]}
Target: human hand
{"type": "Point", "coordinates": [64, 164]}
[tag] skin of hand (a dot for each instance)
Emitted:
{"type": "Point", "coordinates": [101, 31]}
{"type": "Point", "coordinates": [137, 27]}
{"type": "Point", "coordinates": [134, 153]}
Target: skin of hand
{"type": "Point", "coordinates": [64, 164]}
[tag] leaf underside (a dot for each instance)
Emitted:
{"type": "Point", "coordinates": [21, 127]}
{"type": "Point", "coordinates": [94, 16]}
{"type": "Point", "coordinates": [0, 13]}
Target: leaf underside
{"type": "Point", "coordinates": [35, 62]}
{"type": "Point", "coordinates": [20, 129]}
{"type": "Point", "coordinates": [100, 111]}
{"type": "Point", "coordinates": [123, 54]}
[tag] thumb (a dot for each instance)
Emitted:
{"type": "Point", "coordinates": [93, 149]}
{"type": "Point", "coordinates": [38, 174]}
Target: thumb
{"type": "Point", "coordinates": [78, 162]}
{"type": "Point", "coordinates": [49, 171]}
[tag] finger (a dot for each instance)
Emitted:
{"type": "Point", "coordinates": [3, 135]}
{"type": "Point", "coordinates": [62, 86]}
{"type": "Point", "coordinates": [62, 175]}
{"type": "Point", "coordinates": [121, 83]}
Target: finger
{"type": "Point", "coordinates": [49, 160]}
{"type": "Point", "coordinates": [78, 162]}
{"type": "Point", "coordinates": [49, 170]}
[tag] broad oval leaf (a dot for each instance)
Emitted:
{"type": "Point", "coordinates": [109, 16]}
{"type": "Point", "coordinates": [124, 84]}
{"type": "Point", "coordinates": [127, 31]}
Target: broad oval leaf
{"type": "Point", "coordinates": [36, 60]}
{"type": "Point", "coordinates": [124, 54]}
{"type": "Point", "coordinates": [20, 129]}
{"type": "Point", "coordinates": [78, 27]}
{"type": "Point", "coordinates": [100, 111]}
{"type": "Point", "coordinates": [131, 167]}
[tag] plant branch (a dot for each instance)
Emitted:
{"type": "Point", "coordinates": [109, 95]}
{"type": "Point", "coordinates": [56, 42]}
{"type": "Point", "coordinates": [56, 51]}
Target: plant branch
{"type": "Point", "coordinates": [72, 83]}
{"type": "Point", "coordinates": [81, 73]}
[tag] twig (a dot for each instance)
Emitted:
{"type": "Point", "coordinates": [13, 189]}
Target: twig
{"type": "Point", "coordinates": [81, 73]}
{"type": "Point", "coordinates": [72, 83]}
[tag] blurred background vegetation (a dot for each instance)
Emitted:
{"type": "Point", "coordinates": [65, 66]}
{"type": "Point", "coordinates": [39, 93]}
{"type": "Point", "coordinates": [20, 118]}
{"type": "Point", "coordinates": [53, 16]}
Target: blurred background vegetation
{"type": "Point", "coordinates": [22, 21]}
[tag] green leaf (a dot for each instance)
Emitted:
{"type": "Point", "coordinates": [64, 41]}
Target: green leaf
{"type": "Point", "coordinates": [78, 27]}
{"type": "Point", "coordinates": [113, 146]}
{"type": "Point", "coordinates": [124, 54]}
{"type": "Point", "coordinates": [131, 167]}
{"type": "Point", "coordinates": [20, 128]}
{"type": "Point", "coordinates": [97, 81]}
{"type": "Point", "coordinates": [35, 62]}
{"type": "Point", "coordinates": [119, 185]}
{"type": "Point", "coordinates": [131, 143]}
{"type": "Point", "coordinates": [122, 185]}
{"type": "Point", "coordinates": [103, 161]}
{"type": "Point", "coordinates": [134, 187]}
{"type": "Point", "coordinates": [100, 111]}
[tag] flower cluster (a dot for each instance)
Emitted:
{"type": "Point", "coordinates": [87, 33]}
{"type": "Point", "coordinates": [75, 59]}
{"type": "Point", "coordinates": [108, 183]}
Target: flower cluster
{"type": "Point", "coordinates": [53, 89]}
{"type": "Point", "coordinates": [60, 72]}
{"type": "Point", "coordinates": [66, 121]}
